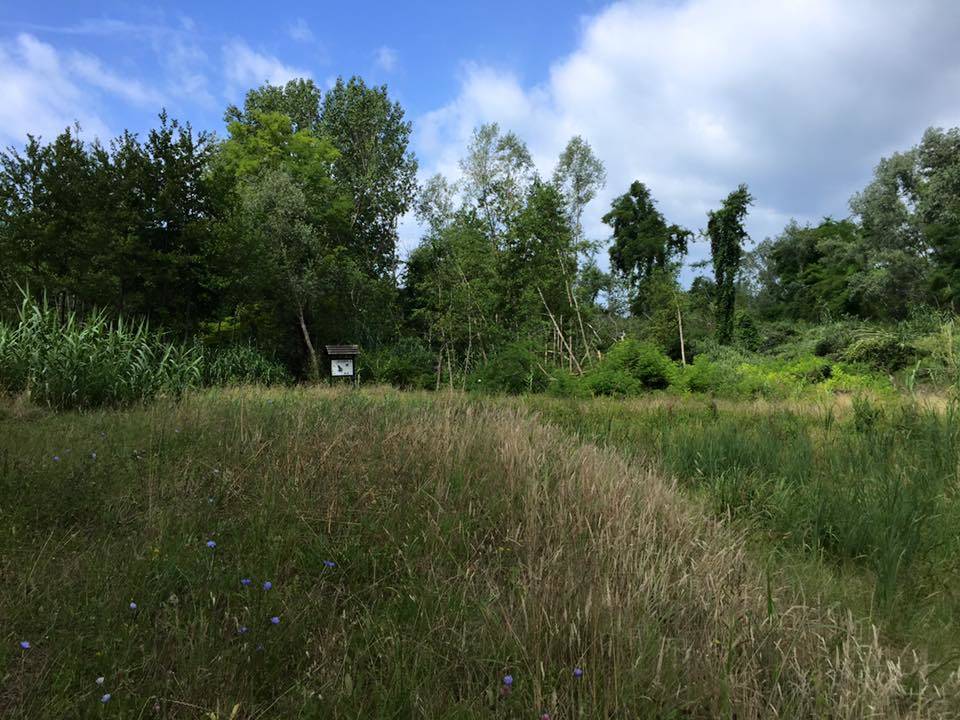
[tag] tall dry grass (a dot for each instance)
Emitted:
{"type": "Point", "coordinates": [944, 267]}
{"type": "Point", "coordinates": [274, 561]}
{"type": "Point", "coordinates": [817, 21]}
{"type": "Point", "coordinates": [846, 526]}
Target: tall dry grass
{"type": "Point", "coordinates": [471, 543]}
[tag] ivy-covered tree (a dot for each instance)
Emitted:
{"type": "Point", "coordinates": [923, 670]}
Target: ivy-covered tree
{"type": "Point", "coordinates": [725, 229]}
{"type": "Point", "coordinates": [645, 250]}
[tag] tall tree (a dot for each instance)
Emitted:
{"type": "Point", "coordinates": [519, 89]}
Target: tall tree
{"type": "Point", "coordinates": [375, 167]}
{"type": "Point", "coordinates": [579, 176]}
{"type": "Point", "coordinates": [299, 100]}
{"type": "Point", "coordinates": [289, 205]}
{"type": "Point", "coordinates": [725, 228]}
{"type": "Point", "coordinates": [645, 248]}
{"type": "Point", "coordinates": [497, 173]}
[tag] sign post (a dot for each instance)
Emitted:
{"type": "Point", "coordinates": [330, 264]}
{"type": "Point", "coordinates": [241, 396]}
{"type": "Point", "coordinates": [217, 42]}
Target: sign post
{"type": "Point", "coordinates": [342, 362]}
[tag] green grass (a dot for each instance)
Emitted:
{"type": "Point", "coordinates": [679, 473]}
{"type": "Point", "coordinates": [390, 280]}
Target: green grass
{"type": "Point", "coordinates": [469, 542]}
{"type": "Point", "coordinates": [870, 491]}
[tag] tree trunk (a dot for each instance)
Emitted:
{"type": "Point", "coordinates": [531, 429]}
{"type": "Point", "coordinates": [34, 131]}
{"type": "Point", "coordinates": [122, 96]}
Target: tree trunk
{"type": "Point", "coordinates": [314, 365]}
{"type": "Point", "coordinates": [683, 352]}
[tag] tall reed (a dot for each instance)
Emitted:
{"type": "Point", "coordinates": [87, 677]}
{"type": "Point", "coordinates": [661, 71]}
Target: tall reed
{"type": "Point", "coordinates": [63, 360]}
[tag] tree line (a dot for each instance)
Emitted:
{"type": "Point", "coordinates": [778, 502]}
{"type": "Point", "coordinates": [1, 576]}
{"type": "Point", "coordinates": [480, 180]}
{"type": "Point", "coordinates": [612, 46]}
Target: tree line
{"type": "Point", "coordinates": [283, 234]}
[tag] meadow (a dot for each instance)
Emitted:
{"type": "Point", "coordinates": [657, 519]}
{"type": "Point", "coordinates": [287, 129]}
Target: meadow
{"type": "Point", "coordinates": [304, 552]}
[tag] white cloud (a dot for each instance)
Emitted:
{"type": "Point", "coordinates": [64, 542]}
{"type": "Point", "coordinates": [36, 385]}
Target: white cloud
{"type": "Point", "coordinates": [386, 58]}
{"type": "Point", "coordinates": [92, 71]}
{"type": "Point", "coordinates": [300, 30]}
{"type": "Point", "coordinates": [798, 98]}
{"type": "Point", "coordinates": [41, 94]}
{"type": "Point", "coordinates": [245, 68]}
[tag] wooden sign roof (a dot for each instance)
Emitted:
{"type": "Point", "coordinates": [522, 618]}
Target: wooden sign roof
{"type": "Point", "coordinates": [342, 349]}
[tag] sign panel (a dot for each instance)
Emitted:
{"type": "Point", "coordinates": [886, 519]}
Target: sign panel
{"type": "Point", "coordinates": [341, 368]}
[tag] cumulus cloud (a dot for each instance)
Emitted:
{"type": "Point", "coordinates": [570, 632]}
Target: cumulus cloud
{"type": "Point", "coordinates": [41, 93]}
{"type": "Point", "coordinates": [798, 98]}
{"type": "Point", "coordinates": [386, 58]}
{"type": "Point", "coordinates": [245, 68]}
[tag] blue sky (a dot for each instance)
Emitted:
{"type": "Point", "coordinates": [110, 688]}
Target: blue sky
{"type": "Point", "coordinates": [417, 48]}
{"type": "Point", "coordinates": [798, 98]}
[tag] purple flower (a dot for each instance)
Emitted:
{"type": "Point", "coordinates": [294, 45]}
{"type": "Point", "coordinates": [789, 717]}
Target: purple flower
{"type": "Point", "coordinates": [211, 544]}
{"type": "Point", "coordinates": [577, 672]}
{"type": "Point", "coordinates": [133, 606]}
{"type": "Point", "coordinates": [508, 680]}
{"type": "Point", "coordinates": [267, 585]}
{"type": "Point", "coordinates": [105, 698]}
{"type": "Point", "coordinates": [275, 620]}
{"type": "Point", "coordinates": [329, 563]}
{"type": "Point", "coordinates": [245, 581]}
{"type": "Point", "coordinates": [56, 458]}
{"type": "Point", "coordinates": [545, 716]}
{"type": "Point", "coordinates": [242, 630]}
{"type": "Point", "coordinates": [24, 644]}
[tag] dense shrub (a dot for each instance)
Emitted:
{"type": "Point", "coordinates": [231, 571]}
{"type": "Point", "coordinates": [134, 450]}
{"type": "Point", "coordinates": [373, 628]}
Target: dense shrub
{"type": "Point", "coordinates": [241, 365]}
{"type": "Point", "coordinates": [881, 348]}
{"type": "Point", "coordinates": [565, 384]}
{"type": "Point", "coordinates": [407, 364]}
{"type": "Point", "coordinates": [612, 382]}
{"type": "Point", "coordinates": [642, 361]}
{"type": "Point", "coordinates": [706, 376]}
{"type": "Point", "coordinates": [746, 333]}
{"type": "Point", "coordinates": [514, 370]}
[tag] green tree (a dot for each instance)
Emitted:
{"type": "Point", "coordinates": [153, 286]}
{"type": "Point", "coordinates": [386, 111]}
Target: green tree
{"type": "Point", "coordinates": [579, 176]}
{"type": "Point", "coordinates": [538, 262]}
{"type": "Point", "coordinates": [375, 168]}
{"type": "Point", "coordinates": [727, 236]}
{"type": "Point", "coordinates": [299, 100]}
{"type": "Point", "coordinates": [497, 173]}
{"type": "Point", "coordinates": [805, 272]}
{"type": "Point", "coordinates": [646, 251]}
{"type": "Point", "coordinates": [290, 211]}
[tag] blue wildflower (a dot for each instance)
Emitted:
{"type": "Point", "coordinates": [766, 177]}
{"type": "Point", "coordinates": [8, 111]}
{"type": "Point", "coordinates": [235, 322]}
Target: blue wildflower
{"type": "Point", "coordinates": [56, 458]}
{"type": "Point", "coordinates": [508, 680]}
{"type": "Point", "coordinates": [329, 563]}
{"type": "Point", "coordinates": [267, 585]}
{"type": "Point", "coordinates": [106, 698]}
{"type": "Point", "coordinates": [577, 672]}
{"type": "Point", "coordinates": [24, 644]}
{"type": "Point", "coordinates": [275, 620]}
{"type": "Point", "coordinates": [133, 606]}
{"type": "Point", "coordinates": [242, 630]}
{"type": "Point", "coordinates": [245, 581]}
{"type": "Point", "coordinates": [211, 544]}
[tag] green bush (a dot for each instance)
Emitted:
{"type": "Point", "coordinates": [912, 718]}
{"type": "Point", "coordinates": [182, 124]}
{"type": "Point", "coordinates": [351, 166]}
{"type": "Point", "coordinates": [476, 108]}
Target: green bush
{"type": "Point", "coordinates": [613, 383]}
{"type": "Point", "coordinates": [564, 384]}
{"type": "Point", "coordinates": [242, 365]}
{"type": "Point", "coordinates": [746, 333]}
{"type": "Point", "coordinates": [882, 349]}
{"type": "Point", "coordinates": [642, 361]}
{"type": "Point", "coordinates": [705, 376]}
{"type": "Point", "coordinates": [514, 370]}
{"type": "Point", "coordinates": [407, 364]}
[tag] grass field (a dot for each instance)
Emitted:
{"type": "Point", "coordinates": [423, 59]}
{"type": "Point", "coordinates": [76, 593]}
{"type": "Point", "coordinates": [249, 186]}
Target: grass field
{"type": "Point", "coordinates": [336, 554]}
